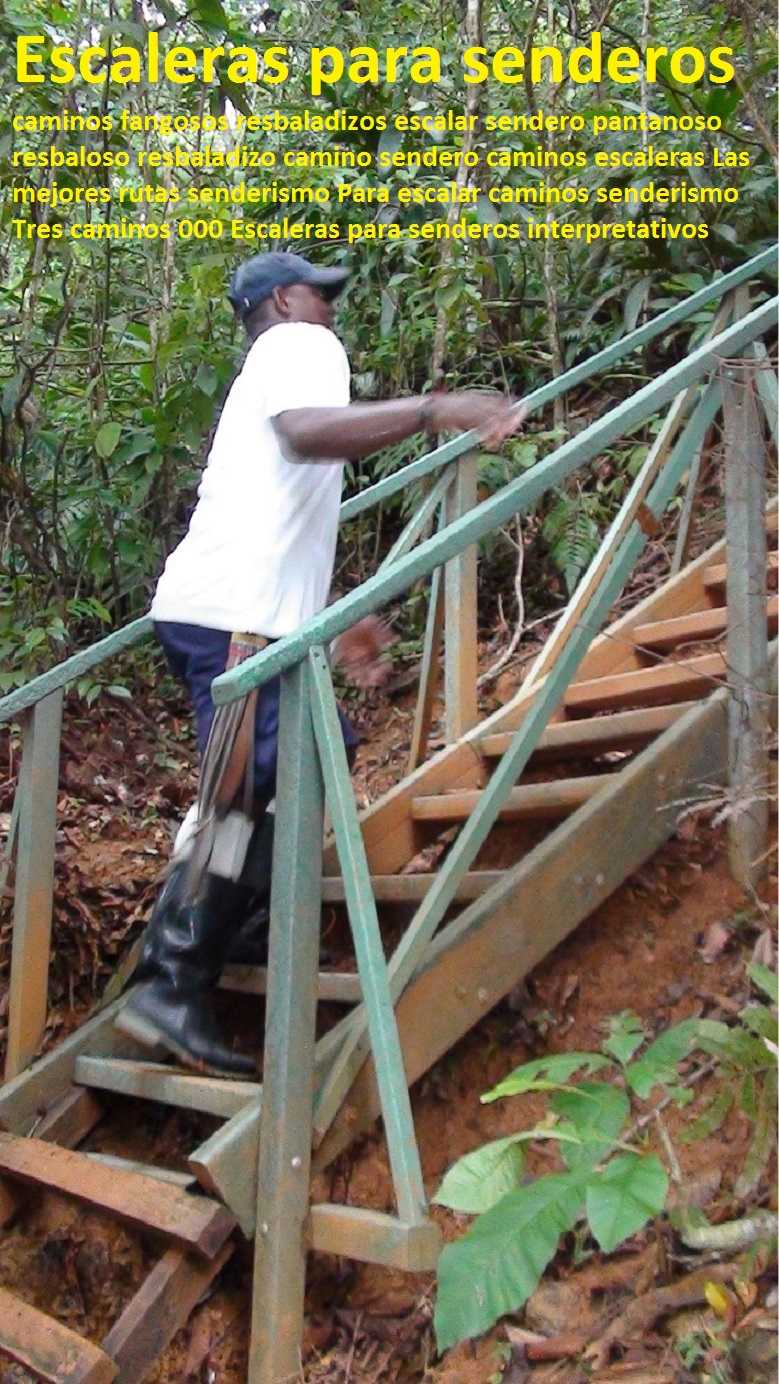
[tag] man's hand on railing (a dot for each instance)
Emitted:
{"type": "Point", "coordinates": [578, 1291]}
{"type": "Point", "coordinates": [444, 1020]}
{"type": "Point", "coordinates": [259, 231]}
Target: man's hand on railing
{"type": "Point", "coordinates": [359, 652]}
{"type": "Point", "coordinates": [494, 415]}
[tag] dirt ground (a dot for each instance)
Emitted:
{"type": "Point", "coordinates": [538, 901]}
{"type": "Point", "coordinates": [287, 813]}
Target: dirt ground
{"type": "Point", "coordinates": [671, 943]}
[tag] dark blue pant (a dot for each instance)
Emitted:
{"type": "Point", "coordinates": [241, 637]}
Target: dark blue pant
{"type": "Point", "coordinates": [196, 656]}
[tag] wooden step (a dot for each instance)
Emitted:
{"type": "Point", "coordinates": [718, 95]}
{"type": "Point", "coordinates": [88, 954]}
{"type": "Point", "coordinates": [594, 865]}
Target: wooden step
{"type": "Point", "coordinates": [186, 1181]}
{"type": "Point", "coordinates": [715, 578]}
{"type": "Point", "coordinates": [411, 888]}
{"type": "Point", "coordinates": [159, 1309]}
{"type": "Point", "coordinates": [50, 1350]}
{"type": "Point", "coordinates": [196, 1222]}
{"type": "Point", "coordinates": [531, 801]}
{"type": "Point", "coordinates": [664, 635]}
{"type": "Point", "coordinates": [211, 1095]}
{"type": "Point", "coordinates": [626, 730]}
{"type": "Point", "coordinates": [693, 677]}
{"type": "Point", "coordinates": [334, 987]}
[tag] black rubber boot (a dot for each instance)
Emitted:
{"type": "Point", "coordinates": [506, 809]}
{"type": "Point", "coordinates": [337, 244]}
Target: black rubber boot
{"type": "Point", "coordinates": [186, 948]}
{"type": "Point", "coordinates": [250, 947]}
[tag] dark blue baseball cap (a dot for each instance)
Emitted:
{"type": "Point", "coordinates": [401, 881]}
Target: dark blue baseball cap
{"type": "Point", "coordinates": [257, 278]}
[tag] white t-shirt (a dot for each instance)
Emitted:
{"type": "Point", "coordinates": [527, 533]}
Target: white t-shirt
{"type": "Point", "coordinates": [258, 555]}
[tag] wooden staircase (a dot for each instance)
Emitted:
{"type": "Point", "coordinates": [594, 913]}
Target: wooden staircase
{"type": "Point", "coordinates": [642, 730]}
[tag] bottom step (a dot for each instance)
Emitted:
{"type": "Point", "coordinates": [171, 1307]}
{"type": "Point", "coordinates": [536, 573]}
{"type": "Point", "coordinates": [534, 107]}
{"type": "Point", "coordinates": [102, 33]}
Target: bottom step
{"type": "Point", "coordinates": [50, 1350]}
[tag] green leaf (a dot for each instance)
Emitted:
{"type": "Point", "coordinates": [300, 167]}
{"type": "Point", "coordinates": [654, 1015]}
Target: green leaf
{"type": "Point", "coordinates": [206, 379]}
{"type": "Point", "coordinates": [659, 1064]}
{"type": "Point", "coordinates": [624, 1196]}
{"type": "Point", "coordinates": [709, 1119]}
{"type": "Point", "coordinates": [760, 1020]}
{"type": "Point", "coordinates": [107, 438]}
{"type": "Point", "coordinates": [479, 1180]}
{"type": "Point", "coordinates": [764, 1141]}
{"type": "Point", "coordinates": [763, 978]}
{"type": "Point", "coordinates": [596, 1113]}
{"type": "Point", "coordinates": [546, 1074]}
{"type": "Point", "coordinates": [495, 1267]}
{"type": "Point", "coordinates": [626, 1034]}
{"type": "Point", "coordinates": [733, 1046]}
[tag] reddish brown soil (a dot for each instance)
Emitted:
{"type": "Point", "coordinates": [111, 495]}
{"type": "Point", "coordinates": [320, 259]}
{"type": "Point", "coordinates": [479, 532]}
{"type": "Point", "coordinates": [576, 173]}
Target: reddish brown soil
{"type": "Point", "coordinates": [125, 784]}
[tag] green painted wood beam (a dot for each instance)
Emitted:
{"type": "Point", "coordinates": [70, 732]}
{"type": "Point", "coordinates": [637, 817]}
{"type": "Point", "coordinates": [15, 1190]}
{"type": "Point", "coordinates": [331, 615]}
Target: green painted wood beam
{"type": "Point", "coordinates": [496, 510]}
{"type": "Point", "coordinates": [371, 963]}
{"type": "Point", "coordinates": [74, 667]}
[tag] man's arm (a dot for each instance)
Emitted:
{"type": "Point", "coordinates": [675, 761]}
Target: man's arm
{"type": "Point", "coordinates": [324, 434]}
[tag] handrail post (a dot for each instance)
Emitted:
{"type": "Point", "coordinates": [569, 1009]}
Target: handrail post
{"type": "Point", "coordinates": [34, 881]}
{"type": "Point", "coordinates": [747, 643]}
{"type": "Point", "coordinates": [290, 1030]}
{"type": "Point", "coordinates": [460, 603]}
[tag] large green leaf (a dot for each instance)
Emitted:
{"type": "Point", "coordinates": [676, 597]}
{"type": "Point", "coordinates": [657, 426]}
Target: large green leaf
{"type": "Point", "coordinates": [495, 1267]}
{"type": "Point", "coordinates": [107, 438]}
{"type": "Point", "coordinates": [546, 1073]}
{"type": "Point", "coordinates": [628, 1192]}
{"type": "Point", "coordinates": [596, 1113]}
{"type": "Point", "coordinates": [479, 1179]}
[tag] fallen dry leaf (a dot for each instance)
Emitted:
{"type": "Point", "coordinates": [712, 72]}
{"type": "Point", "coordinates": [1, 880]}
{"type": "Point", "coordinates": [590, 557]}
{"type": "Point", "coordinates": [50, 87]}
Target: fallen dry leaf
{"type": "Point", "coordinates": [763, 951]}
{"type": "Point", "coordinates": [714, 943]}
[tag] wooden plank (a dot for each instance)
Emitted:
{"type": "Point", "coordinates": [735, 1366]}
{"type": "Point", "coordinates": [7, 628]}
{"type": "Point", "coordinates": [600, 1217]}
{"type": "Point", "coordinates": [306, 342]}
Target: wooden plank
{"type": "Point", "coordinates": [196, 1222]}
{"type": "Point", "coordinates": [479, 957]}
{"type": "Point", "coordinates": [51, 1079]}
{"type": "Point", "coordinates": [158, 1310]}
{"type": "Point", "coordinates": [71, 1119]}
{"type": "Point", "coordinates": [406, 1169]}
{"type": "Point", "coordinates": [225, 1165]}
{"type": "Point", "coordinates": [532, 801]}
{"type": "Point", "coordinates": [461, 710]}
{"type": "Point", "coordinates": [624, 730]}
{"type": "Point", "coordinates": [388, 831]}
{"type": "Point", "coordinates": [34, 882]}
{"type": "Point", "coordinates": [716, 577]}
{"type": "Point", "coordinates": [375, 1238]}
{"type": "Point", "coordinates": [689, 678]}
{"type": "Point", "coordinates": [429, 674]}
{"type": "Point", "coordinates": [67, 1124]}
{"type": "Point", "coordinates": [283, 1166]}
{"type": "Point", "coordinates": [411, 888]}
{"type": "Point", "coordinates": [664, 635]}
{"type": "Point", "coordinates": [333, 987]}
{"type": "Point", "coordinates": [170, 1175]}
{"type": "Point", "coordinates": [155, 1081]}
{"type": "Point", "coordinates": [48, 1348]}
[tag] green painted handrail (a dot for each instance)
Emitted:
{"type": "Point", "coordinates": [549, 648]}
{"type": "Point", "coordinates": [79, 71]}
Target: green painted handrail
{"type": "Point", "coordinates": [493, 512]}
{"type": "Point", "coordinates": [73, 667]}
{"type": "Point", "coordinates": [449, 451]}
